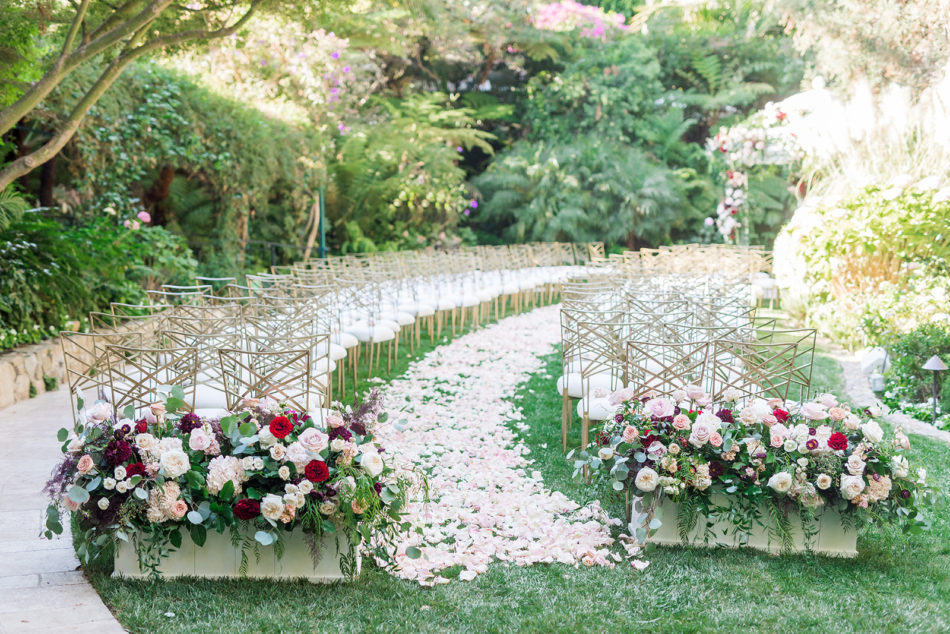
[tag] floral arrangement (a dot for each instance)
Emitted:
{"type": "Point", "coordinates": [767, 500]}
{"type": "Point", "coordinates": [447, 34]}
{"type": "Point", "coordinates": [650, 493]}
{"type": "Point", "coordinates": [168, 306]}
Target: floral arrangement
{"type": "Point", "coordinates": [764, 456]}
{"type": "Point", "coordinates": [258, 472]}
{"type": "Point", "coordinates": [592, 22]}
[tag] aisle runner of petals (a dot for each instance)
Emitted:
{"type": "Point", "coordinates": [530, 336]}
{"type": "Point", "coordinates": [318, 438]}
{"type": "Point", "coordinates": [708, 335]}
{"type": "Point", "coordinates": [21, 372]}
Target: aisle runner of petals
{"type": "Point", "coordinates": [486, 504]}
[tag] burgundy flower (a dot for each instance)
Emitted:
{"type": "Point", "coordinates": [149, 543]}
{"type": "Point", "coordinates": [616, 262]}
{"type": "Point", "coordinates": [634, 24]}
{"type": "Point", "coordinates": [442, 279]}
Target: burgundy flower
{"type": "Point", "coordinates": [281, 426]}
{"type": "Point", "coordinates": [905, 493]}
{"type": "Point", "coordinates": [117, 452]}
{"type": "Point", "coordinates": [316, 471]}
{"type": "Point", "coordinates": [141, 426]}
{"type": "Point", "coordinates": [725, 415]}
{"type": "Point", "coordinates": [812, 431]}
{"type": "Point", "coordinates": [838, 441]}
{"type": "Point", "coordinates": [358, 428]}
{"type": "Point", "coordinates": [378, 488]}
{"type": "Point", "coordinates": [812, 444]}
{"type": "Point", "coordinates": [619, 418]}
{"type": "Point", "coordinates": [603, 438]}
{"type": "Point", "coordinates": [780, 415]}
{"type": "Point", "coordinates": [340, 432]}
{"type": "Point", "coordinates": [246, 509]}
{"type": "Point", "coordinates": [716, 468]}
{"type": "Point", "coordinates": [134, 469]}
{"type": "Point", "coordinates": [189, 422]}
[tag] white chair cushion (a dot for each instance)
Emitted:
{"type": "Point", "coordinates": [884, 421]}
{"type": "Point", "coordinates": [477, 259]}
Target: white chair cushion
{"type": "Point", "coordinates": [575, 386]}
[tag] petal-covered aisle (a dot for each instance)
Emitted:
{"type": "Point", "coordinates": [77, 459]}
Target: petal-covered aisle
{"type": "Point", "coordinates": [486, 503]}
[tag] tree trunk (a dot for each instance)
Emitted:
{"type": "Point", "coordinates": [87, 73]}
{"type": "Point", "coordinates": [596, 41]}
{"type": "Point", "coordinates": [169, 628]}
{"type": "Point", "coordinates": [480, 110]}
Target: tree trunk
{"type": "Point", "coordinates": [48, 181]}
{"type": "Point", "coordinates": [156, 195]}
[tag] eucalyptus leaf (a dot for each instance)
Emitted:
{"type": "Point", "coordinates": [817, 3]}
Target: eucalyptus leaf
{"type": "Point", "coordinates": [617, 485]}
{"type": "Point", "coordinates": [93, 484]}
{"type": "Point", "coordinates": [195, 517]}
{"type": "Point", "coordinates": [62, 434]}
{"type": "Point", "coordinates": [78, 494]}
{"type": "Point", "coordinates": [265, 538]}
{"type": "Point", "coordinates": [413, 553]}
{"type": "Point", "coordinates": [140, 493]}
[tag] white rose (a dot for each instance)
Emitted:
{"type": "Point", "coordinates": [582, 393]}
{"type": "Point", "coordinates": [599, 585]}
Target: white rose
{"type": "Point", "coordinates": [248, 463]}
{"type": "Point", "coordinates": [99, 411]}
{"type": "Point", "coordinates": [272, 506]}
{"type": "Point", "coordinates": [290, 487]}
{"type": "Point", "coordinates": [823, 481]}
{"type": "Point", "coordinates": [120, 473]}
{"type": "Point", "coordinates": [749, 415]}
{"type": "Point", "coordinates": [277, 452]}
{"type": "Point", "coordinates": [108, 484]}
{"type": "Point", "coordinates": [258, 463]}
{"type": "Point", "coordinates": [851, 486]}
{"type": "Point", "coordinates": [334, 420]}
{"type": "Point", "coordinates": [855, 464]}
{"type": "Point", "coordinates": [297, 454]}
{"type": "Point", "coordinates": [300, 500]}
{"type": "Point", "coordinates": [327, 508]}
{"type": "Point", "coordinates": [791, 445]}
{"type": "Point", "coordinates": [921, 475]}
{"type": "Point", "coordinates": [731, 394]}
{"type": "Point", "coordinates": [874, 411]}
{"type": "Point", "coordinates": [128, 485]}
{"type": "Point", "coordinates": [899, 466]}
{"type": "Point", "coordinates": [103, 503]}
{"type": "Point", "coordinates": [75, 446]}
{"type": "Point", "coordinates": [605, 453]}
{"type": "Point", "coordinates": [372, 463]}
{"type": "Point", "coordinates": [199, 439]}
{"type": "Point", "coordinates": [305, 487]}
{"type": "Point", "coordinates": [851, 422]}
{"type": "Point", "coordinates": [284, 473]}
{"type": "Point", "coordinates": [146, 442]}
{"type": "Point", "coordinates": [802, 462]}
{"type": "Point", "coordinates": [265, 437]}
{"type": "Point", "coordinates": [781, 482]}
{"type": "Point", "coordinates": [337, 444]}
{"type": "Point", "coordinates": [678, 396]}
{"type": "Point", "coordinates": [175, 463]}
{"type": "Point", "coordinates": [290, 498]}
{"type": "Point", "coordinates": [313, 439]}
{"type": "Point", "coordinates": [872, 431]}
{"type": "Point", "coordinates": [121, 487]}
{"type": "Point", "coordinates": [647, 479]}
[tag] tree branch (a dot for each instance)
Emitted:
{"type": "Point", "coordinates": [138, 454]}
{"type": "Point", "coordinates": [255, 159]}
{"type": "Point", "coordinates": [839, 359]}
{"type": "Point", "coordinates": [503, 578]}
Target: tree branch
{"type": "Point", "coordinates": [132, 51]}
{"type": "Point", "coordinates": [65, 65]}
{"type": "Point", "coordinates": [74, 27]}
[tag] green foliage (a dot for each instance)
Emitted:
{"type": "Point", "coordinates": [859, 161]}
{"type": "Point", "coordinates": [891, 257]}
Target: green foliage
{"type": "Point", "coordinates": [876, 264]}
{"type": "Point", "coordinates": [397, 181]}
{"type": "Point", "coordinates": [12, 207]}
{"type": "Point", "coordinates": [237, 173]}
{"type": "Point", "coordinates": [51, 274]}
{"type": "Point", "coordinates": [20, 23]}
{"type": "Point", "coordinates": [907, 382]}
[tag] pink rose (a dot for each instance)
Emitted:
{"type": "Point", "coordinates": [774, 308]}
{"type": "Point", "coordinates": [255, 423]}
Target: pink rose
{"type": "Point", "coordinates": [776, 403]}
{"type": "Point", "coordinates": [715, 439]}
{"type": "Point", "coordinates": [768, 420]}
{"type": "Point", "coordinates": [69, 504]}
{"type": "Point", "coordinates": [681, 422]}
{"type": "Point", "coordinates": [334, 420]}
{"type": "Point", "coordinates": [313, 439]}
{"type": "Point", "coordinates": [828, 400]}
{"type": "Point", "coordinates": [144, 217]}
{"type": "Point", "coordinates": [837, 413]}
{"type": "Point", "coordinates": [814, 411]}
{"type": "Point", "coordinates": [777, 440]}
{"type": "Point", "coordinates": [695, 392]}
{"type": "Point", "coordinates": [199, 440]}
{"type": "Point", "coordinates": [704, 401]}
{"type": "Point", "coordinates": [659, 407]}
{"type": "Point", "coordinates": [657, 448]}
{"type": "Point", "coordinates": [179, 509]}
{"type": "Point", "coordinates": [85, 464]}
{"type": "Point", "coordinates": [630, 434]}
{"type": "Point", "coordinates": [621, 395]}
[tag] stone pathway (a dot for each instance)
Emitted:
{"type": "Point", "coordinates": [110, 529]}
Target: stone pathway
{"type": "Point", "coordinates": [859, 392]}
{"type": "Point", "coordinates": [41, 589]}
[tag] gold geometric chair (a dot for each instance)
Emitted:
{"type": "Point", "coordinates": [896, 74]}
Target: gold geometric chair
{"type": "Point", "coordinates": [282, 375]}
{"type": "Point", "coordinates": [804, 340]}
{"type": "Point", "coordinates": [135, 374]}
{"type": "Point", "coordinates": [87, 368]}
{"type": "Point", "coordinates": [666, 367]}
{"type": "Point", "coordinates": [209, 384]}
{"type": "Point", "coordinates": [752, 368]}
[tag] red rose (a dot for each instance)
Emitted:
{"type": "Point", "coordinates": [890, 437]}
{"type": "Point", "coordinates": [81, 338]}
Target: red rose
{"type": "Point", "coordinates": [281, 426]}
{"type": "Point", "coordinates": [141, 427]}
{"type": "Point", "coordinates": [838, 441]}
{"type": "Point", "coordinates": [134, 469]}
{"type": "Point", "coordinates": [316, 471]}
{"type": "Point", "coordinates": [246, 509]}
{"type": "Point", "coordinates": [780, 415]}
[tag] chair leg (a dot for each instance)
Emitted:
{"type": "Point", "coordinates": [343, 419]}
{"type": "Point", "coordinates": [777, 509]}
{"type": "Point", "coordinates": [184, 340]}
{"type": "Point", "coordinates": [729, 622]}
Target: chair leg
{"type": "Point", "coordinates": [564, 415]}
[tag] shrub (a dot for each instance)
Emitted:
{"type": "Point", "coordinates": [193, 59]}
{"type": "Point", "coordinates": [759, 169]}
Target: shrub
{"type": "Point", "coordinates": [907, 382]}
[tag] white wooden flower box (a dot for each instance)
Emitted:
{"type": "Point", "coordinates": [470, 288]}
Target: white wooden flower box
{"type": "Point", "coordinates": [219, 558]}
{"type": "Point", "coordinates": [830, 536]}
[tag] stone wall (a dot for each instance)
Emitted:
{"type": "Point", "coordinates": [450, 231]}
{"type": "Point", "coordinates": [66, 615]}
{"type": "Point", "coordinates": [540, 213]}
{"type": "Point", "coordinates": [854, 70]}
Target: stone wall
{"type": "Point", "coordinates": [30, 365]}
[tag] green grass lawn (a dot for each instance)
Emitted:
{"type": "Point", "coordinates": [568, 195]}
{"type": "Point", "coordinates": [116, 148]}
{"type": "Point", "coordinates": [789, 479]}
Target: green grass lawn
{"type": "Point", "coordinates": [897, 583]}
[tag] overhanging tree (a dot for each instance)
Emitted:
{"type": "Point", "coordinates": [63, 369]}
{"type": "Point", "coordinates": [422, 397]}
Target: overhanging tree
{"type": "Point", "coordinates": [121, 32]}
